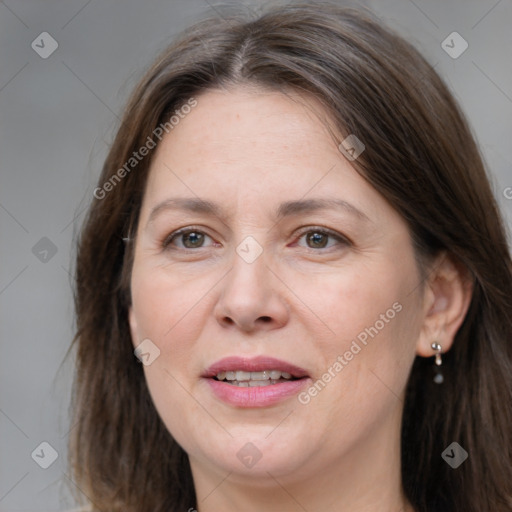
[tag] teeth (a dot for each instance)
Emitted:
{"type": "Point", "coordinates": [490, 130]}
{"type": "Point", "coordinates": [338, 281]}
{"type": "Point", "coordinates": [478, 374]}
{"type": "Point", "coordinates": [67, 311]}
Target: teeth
{"type": "Point", "coordinates": [261, 378]}
{"type": "Point", "coordinates": [252, 383]}
{"type": "Point", "coordinates": [243, 375]}
{"type": "Point", "coordinates": [258, 383]}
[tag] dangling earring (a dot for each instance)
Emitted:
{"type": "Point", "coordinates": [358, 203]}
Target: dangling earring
{"type": "Point", "coordinates": [438, 377]}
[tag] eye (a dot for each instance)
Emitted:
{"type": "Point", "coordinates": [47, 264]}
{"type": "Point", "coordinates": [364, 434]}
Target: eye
{"type": "Point", "coordinates": [318, 238]}
{"type": "Point", "coordinates": [190, 238]}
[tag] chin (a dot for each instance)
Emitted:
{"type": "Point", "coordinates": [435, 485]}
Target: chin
{"type": "Point", "coordinates": [257, 457]}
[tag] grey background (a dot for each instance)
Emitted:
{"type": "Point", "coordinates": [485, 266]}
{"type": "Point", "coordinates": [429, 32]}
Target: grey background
{"type": "Point", "coordinates": [58, 116]}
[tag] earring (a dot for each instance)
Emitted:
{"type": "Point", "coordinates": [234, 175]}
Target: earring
{"type": "Point", "coordinates": [438, 377]}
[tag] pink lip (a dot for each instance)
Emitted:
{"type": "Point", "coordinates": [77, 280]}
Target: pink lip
{"type": "Point", "coordinates": [262, 396]}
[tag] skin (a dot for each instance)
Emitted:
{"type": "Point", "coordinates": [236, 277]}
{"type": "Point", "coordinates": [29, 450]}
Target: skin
{"type": "Point", "coordinates": [300, 302]}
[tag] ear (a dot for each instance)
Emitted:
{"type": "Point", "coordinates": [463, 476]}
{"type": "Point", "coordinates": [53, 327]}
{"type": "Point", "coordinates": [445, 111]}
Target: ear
{"type": "Point", "coordinates": [448, 293]}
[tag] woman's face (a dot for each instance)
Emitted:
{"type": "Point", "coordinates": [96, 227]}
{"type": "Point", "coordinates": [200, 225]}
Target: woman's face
{"type": "Point", "coordinates": [287, 261]}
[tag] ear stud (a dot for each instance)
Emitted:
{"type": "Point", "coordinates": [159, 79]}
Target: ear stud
{"type": "Point", "coordinates": [438, 377]}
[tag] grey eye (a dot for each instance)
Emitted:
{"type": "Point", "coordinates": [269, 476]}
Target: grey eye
{"type": "Point", "coordinates": [186, 239]}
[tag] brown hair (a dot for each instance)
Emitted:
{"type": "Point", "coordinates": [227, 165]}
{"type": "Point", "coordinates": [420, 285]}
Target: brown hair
{"type": "Point", "coordinates": [420, 155]}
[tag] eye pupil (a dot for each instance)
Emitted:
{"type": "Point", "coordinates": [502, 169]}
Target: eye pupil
{"type": "Point", "coordinates": [318, 239]}
{"type": "Point", "coordinates": [194, 238]}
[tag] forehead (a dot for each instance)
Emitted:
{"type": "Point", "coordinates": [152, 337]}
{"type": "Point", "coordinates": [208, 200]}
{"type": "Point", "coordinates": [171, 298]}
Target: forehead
{"type": "Point", "coordinates": [255, 146]}
{"type": "Point", "coordinates": [250, 125]}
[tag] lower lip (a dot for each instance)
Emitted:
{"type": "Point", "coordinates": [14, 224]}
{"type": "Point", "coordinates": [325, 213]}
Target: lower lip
{"type": "Point", "coordinates": [259, 396]}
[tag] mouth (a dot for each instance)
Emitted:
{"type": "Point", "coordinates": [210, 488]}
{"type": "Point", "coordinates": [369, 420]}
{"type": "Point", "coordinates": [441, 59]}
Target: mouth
{"type": "Point", "coordinates": [255, 382]}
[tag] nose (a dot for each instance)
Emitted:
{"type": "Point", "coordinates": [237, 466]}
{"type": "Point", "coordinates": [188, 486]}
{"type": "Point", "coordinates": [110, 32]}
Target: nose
{"type": "Point", "coordinates": [251, 298]}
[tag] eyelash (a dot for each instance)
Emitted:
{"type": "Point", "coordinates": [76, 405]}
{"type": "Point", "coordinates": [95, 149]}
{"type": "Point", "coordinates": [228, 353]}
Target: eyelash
{"type": "Point", "coordinates": [312, 229]}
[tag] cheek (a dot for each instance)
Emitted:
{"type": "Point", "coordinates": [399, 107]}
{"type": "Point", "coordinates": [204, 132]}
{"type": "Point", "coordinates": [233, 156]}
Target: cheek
{"type": "Point", "coordinates": [373, 325]}
{"type": "Point", "coordinates": [365, 364]}
{"type": "Point", "coordinates": [367, 299]}
{"type": "Point", "coordinates": [165, 304]}
{"type": "Point", "coordinates": [166, 309]}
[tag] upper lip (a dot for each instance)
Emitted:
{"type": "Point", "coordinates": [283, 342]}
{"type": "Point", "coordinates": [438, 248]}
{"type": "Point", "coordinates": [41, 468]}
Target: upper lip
{"type": "Point", "coordinates": [254, 364]}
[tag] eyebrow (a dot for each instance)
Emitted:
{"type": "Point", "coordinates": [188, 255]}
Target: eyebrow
{"type": "Point", "coordinates": [286, 209]}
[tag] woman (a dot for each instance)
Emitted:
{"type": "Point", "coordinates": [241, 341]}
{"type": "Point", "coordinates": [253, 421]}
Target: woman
{"type": "Point", "coordinates": [295, 234]}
